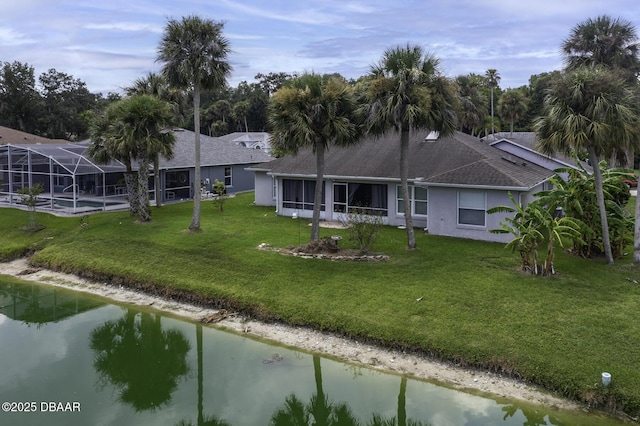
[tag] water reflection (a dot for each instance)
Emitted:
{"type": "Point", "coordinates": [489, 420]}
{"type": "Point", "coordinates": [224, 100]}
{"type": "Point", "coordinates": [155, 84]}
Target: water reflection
{"type": "Point", "coordinates": [139, 358]}
{"type": "Point", "coordinates": [202, 419]}
{"type": "Point", "coordinates": [319, 408]}
{"type": "Point", "coordinates": [35, 304]}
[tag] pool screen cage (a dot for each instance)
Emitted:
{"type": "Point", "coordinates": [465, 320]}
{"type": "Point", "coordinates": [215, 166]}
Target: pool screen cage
{"type": "Point", "coordinates": [71, 181]}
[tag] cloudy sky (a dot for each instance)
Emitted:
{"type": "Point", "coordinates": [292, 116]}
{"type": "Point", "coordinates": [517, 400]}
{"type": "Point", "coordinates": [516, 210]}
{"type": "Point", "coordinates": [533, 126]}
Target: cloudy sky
{"type": "Point", "coordinates": [110, 43]}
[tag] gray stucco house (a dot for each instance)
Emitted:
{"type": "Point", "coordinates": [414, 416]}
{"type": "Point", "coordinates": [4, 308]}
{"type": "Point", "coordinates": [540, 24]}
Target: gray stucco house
{"type": "Point", "coordinates": [453, 182]}
{"type": "Point", "coordinates": [219, 159]}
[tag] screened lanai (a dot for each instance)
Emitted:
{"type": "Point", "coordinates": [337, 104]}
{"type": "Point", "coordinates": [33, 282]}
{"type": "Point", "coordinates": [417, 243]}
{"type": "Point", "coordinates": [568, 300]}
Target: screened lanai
{"type": "Point", "coordinates": [71, 181]}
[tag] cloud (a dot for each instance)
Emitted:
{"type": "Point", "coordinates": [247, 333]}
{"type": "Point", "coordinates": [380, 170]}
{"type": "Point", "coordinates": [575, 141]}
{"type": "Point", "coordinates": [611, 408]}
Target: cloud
{"type": "Point", "coordinates": [125, 26]}
{"type": "Point", "coordinates": [10, 37]}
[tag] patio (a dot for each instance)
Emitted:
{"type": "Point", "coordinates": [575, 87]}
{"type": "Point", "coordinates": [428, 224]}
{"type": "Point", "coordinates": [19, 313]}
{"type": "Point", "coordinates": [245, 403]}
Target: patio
{"type": "Point", "coordinates": [72, 183]}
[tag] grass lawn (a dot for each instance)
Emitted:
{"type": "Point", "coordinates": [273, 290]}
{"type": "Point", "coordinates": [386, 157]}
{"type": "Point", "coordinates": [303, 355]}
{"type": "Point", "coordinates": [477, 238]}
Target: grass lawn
{"type": "Point", "coordinates": [477, 309]}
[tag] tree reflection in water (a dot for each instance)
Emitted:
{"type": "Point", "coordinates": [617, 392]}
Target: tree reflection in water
{"type": "Point", "coordinates": [139, 358]}
{"type": "Point", "coordinates": [319, 411]}
{"type": "Point", "coordinates": [202, 419]}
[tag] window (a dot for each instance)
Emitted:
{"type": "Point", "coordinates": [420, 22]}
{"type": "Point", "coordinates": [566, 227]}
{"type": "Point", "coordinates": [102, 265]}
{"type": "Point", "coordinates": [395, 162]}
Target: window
{"type": "Point", "coordinates": [340, 197]}
{"type": "Point", "coordinates": [274, 187]}
{"type": "Point", "coordinates": [418, 197]}
{"type": "Point", "coordinates": [471, 208]}
{"type": "Point", "coordinates": [298, 194]}
{"type": "Point", "coordinates": [227, 176]}
{"type": "Point", "coordinates": [366, 197]}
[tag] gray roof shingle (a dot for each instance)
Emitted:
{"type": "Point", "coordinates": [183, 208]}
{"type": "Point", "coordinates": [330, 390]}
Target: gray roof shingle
{"type": "Point", "coordinates": [459, 159]}
{"type": "Point", "coordinates": [213, 152]}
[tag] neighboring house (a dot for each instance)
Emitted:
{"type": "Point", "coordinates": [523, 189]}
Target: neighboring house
{"type": "Point", "coordinates": [453, 182]}
{"type": "Point", "coordinates": [17, 137]}
{"type": "Point", "coordinates": [219, 159]}
{"type": "Point", "coordinates": [72, 182]}
{"type": "Point", "coordinates": [251, 140]}
{"type": "Point", "coordinates": [525, 146]}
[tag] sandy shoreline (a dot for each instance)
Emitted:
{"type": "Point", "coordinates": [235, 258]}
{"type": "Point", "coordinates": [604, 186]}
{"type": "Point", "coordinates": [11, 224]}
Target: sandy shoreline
{"type": "Point", "coordinates": [307, 339]}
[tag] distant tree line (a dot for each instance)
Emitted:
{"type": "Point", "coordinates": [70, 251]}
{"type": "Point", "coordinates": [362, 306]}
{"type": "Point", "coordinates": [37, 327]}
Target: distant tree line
{"type": "Point", "coordinates": [59, 106]}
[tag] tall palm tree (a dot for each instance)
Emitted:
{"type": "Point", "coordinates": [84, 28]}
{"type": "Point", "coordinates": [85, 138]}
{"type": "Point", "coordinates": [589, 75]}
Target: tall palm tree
{"type": "Point", "coordinates": [590, 109]}
{"type": "Point", "coordinates": [604, 41]}
{"type": "Point", "coordinates": [194, 56]}
{"type": "Point", "coordinates": [407, 93]}
{"type": "Point", "coordinates": [493, 78]}
{"type": "Point", "coordinates": [314, 112]}
{"type": "Point", "coordinates": [612, 43]}
{"type": "Point", "coordinates": [512, 105]}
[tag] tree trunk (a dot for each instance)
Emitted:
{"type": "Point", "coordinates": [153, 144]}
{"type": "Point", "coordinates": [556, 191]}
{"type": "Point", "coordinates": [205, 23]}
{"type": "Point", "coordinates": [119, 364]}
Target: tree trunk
{"type": "Point", "coordinates": [597, 175]}
{"type": "Point", "coordinates": [131, 184]}
{"type": "Point", "coordinates": [317, 196]}
{"type": "Point", "coordinates": [195, 219]}
{"type": "Point", "coordinates": [156, 180]}
{"type": "Point", "coordinates": [144, 210]}
{"type": "Point", "coordinates": [492, 126]}
{"type": "Point", "coordinates": [404, 177]}
{"type": "Point", "coordinates": [636, 234]}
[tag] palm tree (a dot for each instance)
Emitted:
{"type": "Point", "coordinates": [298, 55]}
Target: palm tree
{"type": "Point", "coordinates": [240, 111]}
{"type": "Point", "coordinates": [604, 41]}
{"type": "Point", "coordinates": [194, 56]}
{"type": "Point", "coordinates": [472, 101]}
{"type": "Point", "coordinates": [590, 109]}
{"type": "Point", "coordinates": [512, 105]}
{"type": "Point", "coordinates": [493, 78]}
{"type": "Point", "coordinates": [134, 129]}
{"type": "Point", "coordinates": [315, 112]}
{"type": "Point", "coordinates": [156, 85]}
{"type": "Point", "coordinates": [407, 93]}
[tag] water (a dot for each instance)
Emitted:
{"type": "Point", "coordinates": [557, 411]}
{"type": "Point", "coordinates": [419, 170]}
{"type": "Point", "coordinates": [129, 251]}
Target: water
{"type": "Point", "coordinates": [76, 360]}
{"type": "Point", "coordinates": [85, 203]}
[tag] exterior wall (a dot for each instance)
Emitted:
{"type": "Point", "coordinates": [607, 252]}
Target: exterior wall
{"type": "Point", "coordinates": [263, 184]}
{"type": "Point", "coordinates": [443, 215]}
{"type": "Point", "coordinates": [241, 179]}
{"type": "Point", "coordinates": [442, 208]}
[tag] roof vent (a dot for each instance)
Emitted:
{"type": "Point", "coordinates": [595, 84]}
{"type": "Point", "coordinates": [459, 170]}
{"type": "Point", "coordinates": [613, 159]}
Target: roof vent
{"type": "Point", "coordinates": [432, 136]}
{"type": "Point", "coordinates": [509, 159]}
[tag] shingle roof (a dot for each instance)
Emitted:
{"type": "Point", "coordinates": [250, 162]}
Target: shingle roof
{"type": "Point", "coordinates": [459, 159]}
{"type": "Point", "coordinates": [213, 152]}
{"type": "Point", "coordinates": [529, 140]}
{"type": "Point", "coordinates": [17, 137]}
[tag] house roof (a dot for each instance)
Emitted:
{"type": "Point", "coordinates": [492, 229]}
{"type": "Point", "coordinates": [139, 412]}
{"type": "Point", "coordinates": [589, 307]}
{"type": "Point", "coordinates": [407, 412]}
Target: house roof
{"type": "Point", "coordinates": [456, 160]}
{"type": "Point", "coordinates": [249, 139]}
{"type": "Point", "coordinates": [529, 141]}
{"type": "Point", "coordinates": [17, 137]}
{"type": "Point", "coordinates": [213, 152]}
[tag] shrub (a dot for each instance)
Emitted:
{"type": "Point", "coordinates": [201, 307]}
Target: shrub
{"type": "Point", "coordinates": [362, 229]}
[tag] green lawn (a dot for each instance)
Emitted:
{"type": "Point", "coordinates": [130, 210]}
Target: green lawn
{"type": "Point", "coordinates": [477, 308]}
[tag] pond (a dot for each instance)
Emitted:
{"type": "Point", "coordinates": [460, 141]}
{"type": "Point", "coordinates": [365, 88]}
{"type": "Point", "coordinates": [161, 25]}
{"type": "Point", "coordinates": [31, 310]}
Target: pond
{"type": "Point", "coordinates": [71, 359]}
